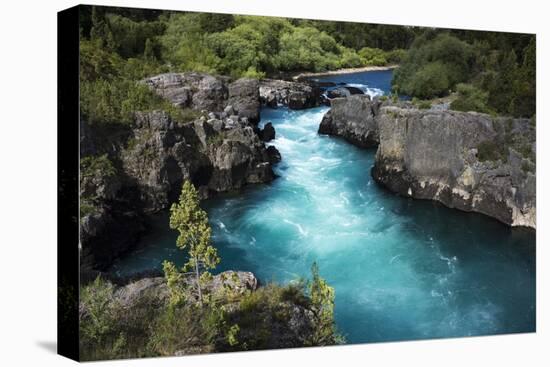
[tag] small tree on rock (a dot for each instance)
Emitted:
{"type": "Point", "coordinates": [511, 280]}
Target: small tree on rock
{"type": "Point", "coordinates": [322, 300]}
{"type": "Point", "coordinates": [191, 221]}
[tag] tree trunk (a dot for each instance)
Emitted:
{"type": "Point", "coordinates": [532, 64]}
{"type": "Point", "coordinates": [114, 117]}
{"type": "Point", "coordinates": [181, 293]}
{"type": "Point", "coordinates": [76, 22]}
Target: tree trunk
{"type": "Point", "coordinates": [198, 280]}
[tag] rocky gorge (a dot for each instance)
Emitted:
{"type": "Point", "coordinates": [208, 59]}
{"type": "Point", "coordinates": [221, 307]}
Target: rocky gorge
{"type": "Point", "coordinates": [464, 160]}
{"type": "Point", "coordinates": [129, 172]}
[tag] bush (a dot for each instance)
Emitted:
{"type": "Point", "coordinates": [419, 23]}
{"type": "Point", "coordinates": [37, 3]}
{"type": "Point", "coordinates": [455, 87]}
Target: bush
{"type": "Point", "coordinates": [373, 56]}
{"type": "Point", "coordinates": [470, 98]}
{"type": "Point", "coordinates": [99, 336]}
{"type": "Point", "coordinates": [307, 49]}
{"type": "Point", "coordinates": [424, 105]}
{"type": "Point", "coordinates": [96, 166]}
{"type": "Point", "coordinates": [396, 56]}
{"type": "Point", "coordinates": [429, 81]}
{"type": "Point", "coordinates": [433, 66]}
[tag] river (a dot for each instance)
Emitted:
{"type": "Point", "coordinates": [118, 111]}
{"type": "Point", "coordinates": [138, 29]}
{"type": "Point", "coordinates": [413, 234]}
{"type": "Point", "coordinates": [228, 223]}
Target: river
{"type": "Point", "coordinates": [402, 268]}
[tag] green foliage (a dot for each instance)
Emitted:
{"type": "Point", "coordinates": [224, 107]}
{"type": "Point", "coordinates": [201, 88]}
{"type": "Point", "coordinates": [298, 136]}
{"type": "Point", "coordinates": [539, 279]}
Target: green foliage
{"type": "Point", "coordinates": [97, 166]}
{"type": "Point", "coordinates": [100, 310]}
{"type": "Point", "coordinates": [396, 56]}
{"type": "Point", "coordinates": [191, 221]}
{"type": "Point", "coordinates": [322, 300]}
{"type": "Point", "coordinates": [359, 35]}
{"type": "Point", "coordinates": [99, 335]}
{"type": "Point", "coordinates": [308, 48]}
{"type": "Point", "coordinates": [174, 281]}
{"type": "Point", "coordinates": [429, 81]}
{"type": "Point", "coordinates": [254, 46]}
{"type": "Point", "coordinates": [498, 79]}
{"type": "Point", "coordinates": [232, 335]}
{"type": "Point", "coordinates": [116, 101]}
{"type": "Point", "coordinates": [216, 140]}
{"type": "Point", "coordinates": [424, 105]}
{"type": "Point", "coordinates": [433, 66]}
{"type": "Point", "coordinates": [181, 328]}
{"type": "Point", "coordinates": [87, 208]}
{"type": "Point", "coordinates": [373, 56]}
{"type": "Point", "coordinates": [131, 37]}
{"type": "Point", "coordinates": [470, 98]}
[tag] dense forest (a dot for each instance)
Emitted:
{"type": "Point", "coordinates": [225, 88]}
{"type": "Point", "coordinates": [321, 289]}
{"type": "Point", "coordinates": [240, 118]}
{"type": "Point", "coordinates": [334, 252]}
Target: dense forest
{"type": "Point", "coordinates": [484, 71]}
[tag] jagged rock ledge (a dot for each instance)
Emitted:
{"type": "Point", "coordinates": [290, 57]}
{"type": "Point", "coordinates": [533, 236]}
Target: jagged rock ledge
{"type": "Point", "coordinates": [220, 148]}
{"type": "Point", "coordinates": [464, 160]}
{"type": "Point", "coordinates": [294, 95]}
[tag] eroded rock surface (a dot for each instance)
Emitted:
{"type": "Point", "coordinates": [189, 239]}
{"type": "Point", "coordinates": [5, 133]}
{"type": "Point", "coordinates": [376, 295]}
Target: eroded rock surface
{"type": "Point", "coordinates": [465, 160]}
{"type": "Point", "coordinates": [468, 161]}
{"type": "Point", "coordinates": [219, 148]}
{"type": "Point", "coordinates": [294, 95]}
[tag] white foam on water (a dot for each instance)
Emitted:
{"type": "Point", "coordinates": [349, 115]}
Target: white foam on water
{"type": "Point", "coordinates": [372, 92]}
{"type": "Point", "coordinates": [302, 231]}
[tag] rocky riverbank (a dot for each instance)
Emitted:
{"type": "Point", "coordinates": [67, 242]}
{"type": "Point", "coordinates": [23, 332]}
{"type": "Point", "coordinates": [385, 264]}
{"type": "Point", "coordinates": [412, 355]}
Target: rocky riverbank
{"type": "Point", "coordinates": [469, 161]}
{"type": "Point", "coordinates": [241, 315]}
{"type": "Point", "coordinates": [130, 171]}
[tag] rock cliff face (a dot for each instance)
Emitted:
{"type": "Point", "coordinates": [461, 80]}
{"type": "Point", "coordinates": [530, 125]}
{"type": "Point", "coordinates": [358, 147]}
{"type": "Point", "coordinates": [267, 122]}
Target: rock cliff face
{"type": "Point", "coordinates": [354, 119]}
{"type": "Point", "coordinates": [217, 155]}
{"type": "Point", "coordinates": [468, 161]}
{"type": "Point", "coordinates": [294, 95]}
{"type": "Point", "coordinates": [219, 150]}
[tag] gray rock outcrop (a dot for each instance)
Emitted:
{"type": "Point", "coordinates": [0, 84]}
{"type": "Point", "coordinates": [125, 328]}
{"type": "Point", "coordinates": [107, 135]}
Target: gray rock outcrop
{"type": "Point", "coordinates": [218, 148]}
{"type": "Point", "coordinates": [294, 95]}
{"type": "Point", "coordinates": [468, 161]}
{"type": "Point", "coordinates": [354, 119]}
{"type": "Point", "coordinates": [465, 160]}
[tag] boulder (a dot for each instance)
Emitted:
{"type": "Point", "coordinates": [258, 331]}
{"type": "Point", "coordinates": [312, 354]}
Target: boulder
{"type": "Point", "coordinates": [342, 92]}
{"type": "Point", "coordinates": [268, 132]}
{"type": "Point", "coordinates": [273, 154]}
{"type": "Point", "coordinates": [354, 119]}
{"type": "Point", "coordinates": [199, 91]}
{"type": "Point", "coordinates": [294, 95]}
{"type": "Point", "coordinates": [244, 98]}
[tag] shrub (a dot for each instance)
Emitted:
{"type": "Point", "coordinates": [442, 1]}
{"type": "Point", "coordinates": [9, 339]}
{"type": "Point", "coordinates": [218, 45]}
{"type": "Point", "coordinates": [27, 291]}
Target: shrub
{"type": "Point", "coordinates": [429, 81]}
{"type": "Point", "coordinates": [373, 56]}
{"type": "Point", "coordinates": [396, 56]}
{"type": "Point", "coordinates": [470, 98]}
{"type": "Point", "coordinates": [433, 66]}
{"type": "Point", "coordinates": [424, 105]}
{"type": "Point", "coordinates": [97, 166]}
{"type": "Point", "coordinates": [100, 338]}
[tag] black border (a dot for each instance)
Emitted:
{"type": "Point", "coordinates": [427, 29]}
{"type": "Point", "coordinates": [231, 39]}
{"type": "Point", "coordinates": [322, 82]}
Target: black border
{"type": "Point", "coordinates": [68, 36]}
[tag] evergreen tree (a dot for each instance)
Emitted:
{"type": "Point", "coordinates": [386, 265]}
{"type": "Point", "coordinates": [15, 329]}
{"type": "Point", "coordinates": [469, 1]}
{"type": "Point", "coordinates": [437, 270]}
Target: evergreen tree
{"type": "Point", "coordinates": [501, 85]}
{"type": "Point", "coordinates": [524, 100]}
{"type": "Point", "coordinates": [322, 300]}
{"type": "Point", "coordinates": [187, 217]}
{"type": "Point", "coordinates": [149, 52]}
{"type": "Point", "coordinates": [100, 32]}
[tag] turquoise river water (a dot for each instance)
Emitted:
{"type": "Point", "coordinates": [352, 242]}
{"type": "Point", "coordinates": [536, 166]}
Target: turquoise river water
{"type": "Point", "coordinates": [402, 269]}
